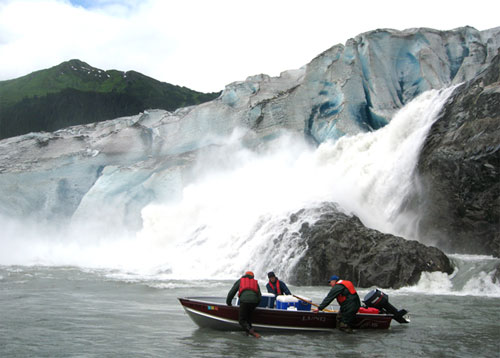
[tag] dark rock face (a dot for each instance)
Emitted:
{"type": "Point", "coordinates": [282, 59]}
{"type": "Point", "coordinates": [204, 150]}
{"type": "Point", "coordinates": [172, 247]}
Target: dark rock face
{"type": "Point", "coordinates": [340, 244]}
{"type": "Point", "coordinates": [496, 278]}
{"type": "Point", "coordinates": [459, 170]}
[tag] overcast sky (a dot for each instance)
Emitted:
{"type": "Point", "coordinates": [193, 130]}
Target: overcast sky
{"type": "Point", "coordinates": [206, 44]}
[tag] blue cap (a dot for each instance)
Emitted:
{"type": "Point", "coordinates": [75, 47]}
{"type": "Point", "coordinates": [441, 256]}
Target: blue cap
{"type": "Point", "coordinates": [333, 278]}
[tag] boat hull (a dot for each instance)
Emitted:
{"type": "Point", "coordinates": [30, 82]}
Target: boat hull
{"type": "Point", "coordinates": [211, 313]}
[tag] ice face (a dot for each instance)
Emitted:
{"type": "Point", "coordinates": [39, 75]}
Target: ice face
{"type": "Point", "coordinates": [120, 166]}
{"type": "Point", "coordinates": [377, 73]}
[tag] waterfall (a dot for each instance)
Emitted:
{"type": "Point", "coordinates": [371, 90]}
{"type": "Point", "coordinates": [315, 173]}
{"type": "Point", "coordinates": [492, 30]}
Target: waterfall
{"type": "Point", "coordinates": [228, 221]}
{"type": "Point", "coordinates": [236, 214]}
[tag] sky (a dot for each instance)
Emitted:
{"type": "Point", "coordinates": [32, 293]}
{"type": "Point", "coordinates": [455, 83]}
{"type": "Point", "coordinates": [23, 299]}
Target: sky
{"type": "Point", "coordinates": [207, 44]}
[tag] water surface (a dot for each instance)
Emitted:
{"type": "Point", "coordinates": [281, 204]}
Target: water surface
{"type": "Point", "coordinates": [67, 312]}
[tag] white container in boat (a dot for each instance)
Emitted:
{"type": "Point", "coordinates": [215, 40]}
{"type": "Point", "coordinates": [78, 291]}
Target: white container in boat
{"type": "Point", "coordinates": [283, 302]}
{"type": "Point", "coordinates": [286, 298]}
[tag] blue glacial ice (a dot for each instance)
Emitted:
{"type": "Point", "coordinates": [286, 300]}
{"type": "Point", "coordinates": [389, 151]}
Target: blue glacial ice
{"type": "Point", "coordinates": [120, 166]}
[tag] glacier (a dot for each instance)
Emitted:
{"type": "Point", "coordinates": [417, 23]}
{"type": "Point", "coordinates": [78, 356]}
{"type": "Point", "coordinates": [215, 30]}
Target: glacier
{"type": "Point", "coordinates": [99, 178]}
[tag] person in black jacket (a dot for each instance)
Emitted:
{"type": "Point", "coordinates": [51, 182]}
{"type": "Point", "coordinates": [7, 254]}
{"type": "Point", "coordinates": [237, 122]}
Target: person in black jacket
{"type": "Point", "coordinates": [276, 286]}
{"type": "Point", "coordinates": [249, 292]}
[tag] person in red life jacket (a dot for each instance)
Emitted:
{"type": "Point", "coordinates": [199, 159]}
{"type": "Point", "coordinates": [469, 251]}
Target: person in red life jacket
{"type": "Point", "coordinates": [276, 286]}
{"type": "Point", "coordinates": [348, 299]}
{"type": "Point", "coordinates": [249, 293]}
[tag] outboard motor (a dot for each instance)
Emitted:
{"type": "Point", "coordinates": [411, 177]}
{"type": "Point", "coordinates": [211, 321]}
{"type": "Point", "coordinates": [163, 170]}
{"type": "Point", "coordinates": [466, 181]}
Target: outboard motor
{"type": "Point", "coordinates": [378, 299]}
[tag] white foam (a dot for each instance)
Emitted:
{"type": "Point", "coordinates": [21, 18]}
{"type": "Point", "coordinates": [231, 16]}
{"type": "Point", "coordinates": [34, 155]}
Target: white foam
{"type": "Point", "coordinates": [474, 276]}
{"type": "Point", "coordinates": [483, 285]}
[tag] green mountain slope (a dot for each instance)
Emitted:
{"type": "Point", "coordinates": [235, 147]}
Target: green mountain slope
{"type": "Point", "coordinates": [77, 93]}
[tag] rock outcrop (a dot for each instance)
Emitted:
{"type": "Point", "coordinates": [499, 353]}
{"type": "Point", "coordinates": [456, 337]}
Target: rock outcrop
{"type": "Point", "coordinates": [340, 244]}
{"type": "Point", "coordinates": [459, 170]}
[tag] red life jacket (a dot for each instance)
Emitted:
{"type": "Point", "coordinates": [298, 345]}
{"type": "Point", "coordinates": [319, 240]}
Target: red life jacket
{"type": "Point", "coordinates": [277, 286]}
{"type": "Point", "coordinates": [248, 284]}
{"type": "Point", "coordinates": [350, 288]}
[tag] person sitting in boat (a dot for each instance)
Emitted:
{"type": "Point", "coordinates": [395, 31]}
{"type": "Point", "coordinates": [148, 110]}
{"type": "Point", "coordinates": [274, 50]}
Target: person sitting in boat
{"type": "Point", "coordinates": [276, 286]}
{"type": "Point", "coordinates": [249, 293]}
{"type": "Point", "coordinates": [348, 299]}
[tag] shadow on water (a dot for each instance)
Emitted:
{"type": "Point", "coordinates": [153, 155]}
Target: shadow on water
{"type": "Point", "coordinates": [318, 344]}
{"type": "Point", "coordinates": [222, 343]}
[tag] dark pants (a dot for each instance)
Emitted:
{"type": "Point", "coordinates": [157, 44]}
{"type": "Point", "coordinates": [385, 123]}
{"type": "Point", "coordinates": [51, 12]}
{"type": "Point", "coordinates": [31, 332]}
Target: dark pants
{"type": "Point", "coordinates": [348, 310]}
{"type": "Point", "coordinates": [245, 317]}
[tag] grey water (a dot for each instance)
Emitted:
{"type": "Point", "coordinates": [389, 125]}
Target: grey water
{"type": "Point", "coordinates": [73, 312]}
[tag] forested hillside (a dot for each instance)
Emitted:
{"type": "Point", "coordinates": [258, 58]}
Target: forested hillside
{"type": "Point", "coordinates": [76, 93]}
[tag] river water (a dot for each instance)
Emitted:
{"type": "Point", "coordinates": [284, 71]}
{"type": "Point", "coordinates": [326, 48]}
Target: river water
{"type": "Point", "coordinates": [72, 312]}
